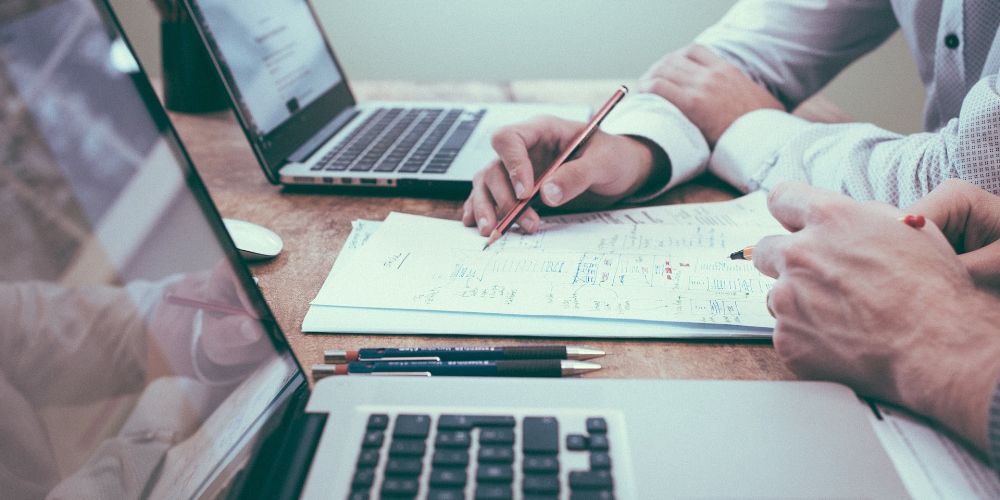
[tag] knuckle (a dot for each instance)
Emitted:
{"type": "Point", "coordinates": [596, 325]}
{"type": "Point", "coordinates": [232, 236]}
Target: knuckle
{"type": "Point", "coordinates": [782, 299]}
{"type": "Point", "coordinates": [823, 210]}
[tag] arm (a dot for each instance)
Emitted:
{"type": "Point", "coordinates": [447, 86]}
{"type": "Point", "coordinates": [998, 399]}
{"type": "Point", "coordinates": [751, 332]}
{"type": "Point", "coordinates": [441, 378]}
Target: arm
{"type": "Point", "coordinates": [795, 47]}
{"type": "Point", "coordinates": [889, 310]}
{"type": "Point", "coordinates": [862, 160]}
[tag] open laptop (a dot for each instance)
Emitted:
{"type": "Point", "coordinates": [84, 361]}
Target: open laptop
{"type": "Point", "coordinates": [139, 359]}
{"type": "Point", "coordinates": [305, 126]}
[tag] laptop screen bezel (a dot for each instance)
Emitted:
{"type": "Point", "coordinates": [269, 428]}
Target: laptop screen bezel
{"type": "Point", "coordinates": [274, 149]}
{"type": "Point", "coordinates": [195, 185]}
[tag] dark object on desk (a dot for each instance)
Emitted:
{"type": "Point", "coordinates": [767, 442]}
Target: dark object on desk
{"type": "Point", "coordinates": [461, 353]}
{"type": "Point", "coordinates": [190, 82]}
{"type": "Point", "coordinates": [516, 368]}
{"type": "Point", "coordinates": [745, 254]}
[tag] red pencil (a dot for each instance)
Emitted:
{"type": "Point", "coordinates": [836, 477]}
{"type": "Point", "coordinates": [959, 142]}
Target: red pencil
{"type": "Point", "coordinates": [578, 141]}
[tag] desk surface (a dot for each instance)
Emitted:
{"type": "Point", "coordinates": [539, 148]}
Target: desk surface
{"type": "Point", "coordinates": [314, 226]}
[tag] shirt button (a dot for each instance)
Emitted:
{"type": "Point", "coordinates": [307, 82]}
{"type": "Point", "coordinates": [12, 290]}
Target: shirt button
{"type": "Point", "coordinates": [951, 41]}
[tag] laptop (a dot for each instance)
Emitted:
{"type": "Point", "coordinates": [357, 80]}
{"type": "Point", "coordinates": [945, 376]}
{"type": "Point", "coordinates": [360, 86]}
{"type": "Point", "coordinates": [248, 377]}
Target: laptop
{"type": "Point", "coordinates": [295, 105]}
{"type": "Point", "coordinates": [139, 359]}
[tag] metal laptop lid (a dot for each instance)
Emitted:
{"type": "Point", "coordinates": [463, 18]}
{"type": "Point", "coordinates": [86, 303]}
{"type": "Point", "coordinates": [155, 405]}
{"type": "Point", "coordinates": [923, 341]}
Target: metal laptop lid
{"type": "Point", "coordinates": [137, 358]}
{"type": "Point", "coordinates": [281, 75]}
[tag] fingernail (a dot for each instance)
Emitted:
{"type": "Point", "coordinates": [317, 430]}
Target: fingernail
{"type": "Point", "coordinates": [528, 224]}
{"type": "Point", "coordinates": [552, 192]}
{"type": "Point", "coordinates": [519, 190]}
{"type": "Point", "coordinates": [482, 222]}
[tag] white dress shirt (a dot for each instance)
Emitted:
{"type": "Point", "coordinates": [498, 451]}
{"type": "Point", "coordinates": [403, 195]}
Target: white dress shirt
{"type": "Point", "coordinates": [794, 48]}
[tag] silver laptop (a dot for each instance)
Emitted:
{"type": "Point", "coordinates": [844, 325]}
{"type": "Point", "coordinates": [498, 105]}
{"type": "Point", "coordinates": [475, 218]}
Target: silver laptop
{"type": "Point", "coordinates": [139, 359]}
{"type": "Point", "coordinates": [305, 126]}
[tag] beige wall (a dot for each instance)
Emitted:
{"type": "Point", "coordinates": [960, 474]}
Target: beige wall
{"type": "Point", "coordinates": [517, 39]}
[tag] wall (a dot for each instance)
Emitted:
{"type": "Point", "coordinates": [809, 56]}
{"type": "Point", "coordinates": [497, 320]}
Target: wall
{"type": "Point", "coordinates": [520, 39]}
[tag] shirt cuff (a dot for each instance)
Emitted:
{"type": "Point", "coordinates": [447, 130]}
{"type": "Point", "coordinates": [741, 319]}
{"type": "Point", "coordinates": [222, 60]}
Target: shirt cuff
{"type": "Point", "coordinates": [993, 430]}
{"type": "Point", "coordinates": [655, 119]}
{"type": "Point", "coordinates": [749, 148]}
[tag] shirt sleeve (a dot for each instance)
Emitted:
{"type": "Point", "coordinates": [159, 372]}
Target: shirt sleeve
{"type": "Point", "coordinates": [655, 119]}
{"type": "Point", "coordinates": [766, 147]}
{"type": "Point", "coordinates": [993, 430]}
{"type": "Point", "coordinates": [795, 47]}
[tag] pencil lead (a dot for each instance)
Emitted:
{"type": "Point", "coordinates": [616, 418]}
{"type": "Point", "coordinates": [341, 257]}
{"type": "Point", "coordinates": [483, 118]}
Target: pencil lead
{"type": "Point", "coordinates": [738, 255]}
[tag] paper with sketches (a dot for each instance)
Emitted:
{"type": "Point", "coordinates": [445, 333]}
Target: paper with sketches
{"type": "Point", "coordinates": [673, 269]}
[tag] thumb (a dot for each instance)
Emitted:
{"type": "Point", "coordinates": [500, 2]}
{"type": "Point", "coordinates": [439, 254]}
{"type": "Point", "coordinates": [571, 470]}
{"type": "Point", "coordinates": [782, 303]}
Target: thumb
{"type": "Point", "coordinates": [571, 180]}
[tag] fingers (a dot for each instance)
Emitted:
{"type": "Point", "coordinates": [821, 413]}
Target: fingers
{"type": "Point", "coordinates": [702, 55]}
{"type": "Point", "coordinates": [233, 340]}
{"type": "Point", "coordinates": [512, 148]}
{"type": "Point", "coordinates": [984, 265]}
{"type": "Point", "coordinates": [795, 204]}
{"type": "Point", "coordinates": [768, 255]}
{"type": "Point", "coordinates": [967, 215]}
{"type": "Point", "coordinates": [491, 198]}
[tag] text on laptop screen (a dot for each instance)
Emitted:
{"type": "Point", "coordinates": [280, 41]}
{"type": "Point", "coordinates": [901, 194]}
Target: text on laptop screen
{"type": "Point", "coordinates": [275, 53]}
{"type": "Point", "coordinates": [132, 360]}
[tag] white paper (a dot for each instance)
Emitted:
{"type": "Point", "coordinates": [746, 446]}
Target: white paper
{"type": "Point", "coordinates": [643, 280]}
{"type": "Point", "coordinates": [930, 463]}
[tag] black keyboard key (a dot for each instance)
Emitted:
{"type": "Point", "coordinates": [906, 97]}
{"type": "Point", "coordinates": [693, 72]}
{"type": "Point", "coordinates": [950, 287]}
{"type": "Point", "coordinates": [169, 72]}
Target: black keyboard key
{"type": "Point", "coordinates": [494, 473]}
{"type": "Point", "coordinates": [410, 167]}
{"type": "Point", "coordinates": [437, 494]}
{"type": "Point", "coordinates": [372, 439]}
{"type": "Point", "coordinates": [407, 467]}
{"type": "Point", "coordinates": [590, 480]}
{"type": "Point", "coordinates": [591, 495]}
{"type": "Point", "coordinates": [540, 464]}
{"type": "Point", "coordinates": [466, 422]}
{"type": "Point", "coordinates": [358, 495]}
{"type": "Point", "coordinates": [412, 426]}
{"type": "Point", "coordinates": [496, 454]}
{"type": "Point", "coordinates": [399, 486]}
{"type": "Point", "coordinates": [450, 458]}
{"type": "Point", "coordinates": [450, 477]}
{"type": "Point", "coordinates": [363, 478]}
{"type": "Point", "coordinates": [496, 436]}
{"type": "Point", "coordinates": [368, 457]}
{"type": "Point", "coordinates": [541, 435]}
{"type": "Point", "coordinates": [599, 442]}
{"type": "Point", "coordinates": [599, 461]}
{"type": "Point", "coordinates": [534, 483]}
{"type": "Point", "coordinates": [453, 439]}
{"type": "Point", "coordinates": [407, 448]}
{"type": "Point", "coordinates": [540, 496]}
{"type": "Point", "coordinates": [494, 492]}
{"type": "Point", "coordinates": [378, 422]}
{"type": "Point", "coordinates": [576, 442]}
{"type": "Point", "coordinates": [597, 425]}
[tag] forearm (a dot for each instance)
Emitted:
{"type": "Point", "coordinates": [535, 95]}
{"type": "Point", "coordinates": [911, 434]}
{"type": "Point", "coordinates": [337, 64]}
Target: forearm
{"type": "Point", "coordinates": [794, 47]}
{"type": "Point", "coordinates": [765, 148]}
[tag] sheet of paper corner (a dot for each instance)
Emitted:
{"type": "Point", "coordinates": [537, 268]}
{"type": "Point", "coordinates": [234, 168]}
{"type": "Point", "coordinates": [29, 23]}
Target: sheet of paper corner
{"type": "Point", "coordinates": [747, 210]}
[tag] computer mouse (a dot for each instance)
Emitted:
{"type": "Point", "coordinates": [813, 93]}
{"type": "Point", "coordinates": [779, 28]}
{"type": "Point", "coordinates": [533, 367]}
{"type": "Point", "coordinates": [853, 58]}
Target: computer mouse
{"type": "Point", "coordinates": [253, 241]}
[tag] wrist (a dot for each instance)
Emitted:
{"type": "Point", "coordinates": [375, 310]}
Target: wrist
{"type": "Point", "coordinates": [951, 377]}
{"type": "Point", "coordinates": [653, 166]}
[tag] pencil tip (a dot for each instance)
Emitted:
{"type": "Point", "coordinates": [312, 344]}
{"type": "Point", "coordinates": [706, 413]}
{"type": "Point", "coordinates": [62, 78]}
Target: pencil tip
{"type": "Point", "coordinates": [738, 255]}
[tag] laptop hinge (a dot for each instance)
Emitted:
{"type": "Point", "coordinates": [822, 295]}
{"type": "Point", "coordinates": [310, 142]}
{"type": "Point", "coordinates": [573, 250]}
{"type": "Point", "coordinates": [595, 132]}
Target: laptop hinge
{"type": "Point", "coordinates": [281, 461]}
{"type": "Point", "coordinates": [319, 138]}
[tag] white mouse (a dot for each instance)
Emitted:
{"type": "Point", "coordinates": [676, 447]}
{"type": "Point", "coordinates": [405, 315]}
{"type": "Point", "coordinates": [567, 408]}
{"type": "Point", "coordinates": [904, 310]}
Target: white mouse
{"type": "Point", "coordinates": [254, 242]}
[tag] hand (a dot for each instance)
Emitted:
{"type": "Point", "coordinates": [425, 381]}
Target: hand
{"type": "Point", "coordinates": [970, 219]}
{"type": "Point", "coordinates": [610, 168]}
{"type": "Point", "coordinates": [227, 341]}
{"type": "Point", "coordinates": [866, 300]}
{"type": "Point", "coordinates": [711, 92]}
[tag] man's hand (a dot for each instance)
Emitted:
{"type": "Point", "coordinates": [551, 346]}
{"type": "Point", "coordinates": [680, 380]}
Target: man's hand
{"type": "Point", "coordinates": [711, 92]}
{"type": "Point", "coordinates": [970, 218]}
{"type": "Point", "coordinates": [890, 310]}
{"type": "Point", "coordinates": [610, 168]}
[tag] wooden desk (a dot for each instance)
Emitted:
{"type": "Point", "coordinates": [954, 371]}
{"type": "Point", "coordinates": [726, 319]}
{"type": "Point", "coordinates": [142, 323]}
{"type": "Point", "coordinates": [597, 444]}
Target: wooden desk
{"type": "Point", "coordinates": [314, 226]}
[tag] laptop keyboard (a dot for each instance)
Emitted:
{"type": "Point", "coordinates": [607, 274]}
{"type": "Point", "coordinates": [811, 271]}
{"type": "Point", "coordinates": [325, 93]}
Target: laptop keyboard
{"type": "Point", "coordinates": [477, 456]}
{"type": "Point", "coordinates": [424, 140]}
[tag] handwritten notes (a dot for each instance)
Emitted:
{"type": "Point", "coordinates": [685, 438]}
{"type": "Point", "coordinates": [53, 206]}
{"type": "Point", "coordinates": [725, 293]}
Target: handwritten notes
{"type": "Point", "coordinates": [606, 265]}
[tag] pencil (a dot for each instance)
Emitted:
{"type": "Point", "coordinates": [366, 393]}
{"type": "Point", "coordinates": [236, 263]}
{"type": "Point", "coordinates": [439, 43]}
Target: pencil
{"type": "Point", "coordinates": [208, 306]}
{"type": "Point", "coordinates": [914, 221]}
{"type": "Point", "coordinates": [575, 145]}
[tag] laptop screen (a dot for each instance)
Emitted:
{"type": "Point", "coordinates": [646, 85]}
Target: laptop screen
{"type": "Point", "coordinates": [280, 73]}
{"type": "Point", "coordinates": [137, 359]}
